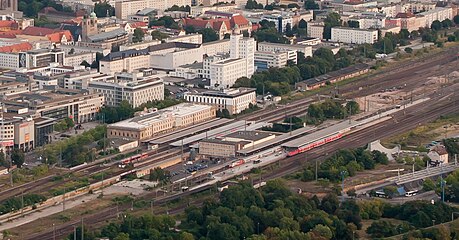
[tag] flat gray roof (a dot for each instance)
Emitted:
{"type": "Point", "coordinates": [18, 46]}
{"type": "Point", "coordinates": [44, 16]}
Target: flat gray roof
{"type": "Point", "coordinates": [277, 140]}
{"type": "Point", "coordinates": [317, 135]}
{"type": "Point", "coordinates": [249, 135]}
{"type": "Point", "coordinates": [191, 130]}
{"type": "Point", "coordinates": [221, 132]}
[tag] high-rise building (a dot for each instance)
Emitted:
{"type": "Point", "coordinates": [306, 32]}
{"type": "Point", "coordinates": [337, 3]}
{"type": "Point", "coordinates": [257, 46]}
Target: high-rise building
{"type": "Point", "coordinates": [9, 5]}
{"type": "Point", "coordinates": [224, 73]}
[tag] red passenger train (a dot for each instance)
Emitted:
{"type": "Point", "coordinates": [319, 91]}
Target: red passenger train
{"type": "Point", "coordinates": [315, 144]}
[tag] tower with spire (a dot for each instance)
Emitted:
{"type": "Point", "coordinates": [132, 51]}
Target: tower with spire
{"type": "Point", "coordinates": [89, 26]}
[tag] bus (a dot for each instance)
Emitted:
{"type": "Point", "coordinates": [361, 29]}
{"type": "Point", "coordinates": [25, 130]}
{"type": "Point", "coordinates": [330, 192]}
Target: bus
{"type": "Point", "coordinates": [380, 194]}
{"type": "Point", "coordinates": [411, 193]}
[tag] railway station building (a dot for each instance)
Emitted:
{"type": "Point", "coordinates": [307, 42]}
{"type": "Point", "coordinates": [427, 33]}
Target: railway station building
{"type": "Point", "coordinates": [153, 122]}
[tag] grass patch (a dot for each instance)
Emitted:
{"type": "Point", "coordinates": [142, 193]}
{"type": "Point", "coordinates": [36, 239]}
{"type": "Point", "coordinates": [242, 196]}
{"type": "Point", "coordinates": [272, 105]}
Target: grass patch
{"type": "Point", "coordinates": [421, 135]}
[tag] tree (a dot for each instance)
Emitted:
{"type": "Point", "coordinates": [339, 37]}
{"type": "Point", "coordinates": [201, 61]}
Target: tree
{"type": "Point", "coordinates": [382, 228]}
{"type": "Point", "coordinates": [352, 107]}
{"type": "Point", "coordinates": [428, 185]}
{"type": "Point", "coordinates": [380, 157]}
{"type": "Point", "coordinates": [390, 191]}
{"type": "Point", "coordinates": [408, 50]}
{"type": "Point", "coordinates": [446, 23]}
{"type": "Point", "coordinates": [208, 35]}
{"type": "Point", "coordinates": [159, 35]}
{"type": "Point", "coordinates": [288, 30]}
{"type": "Point", "coordinates": [353, 24]}
{"type": "Point", "coordinates": [122, 236]}
{"type": "Point", "coordinates": [311, 4]}
{"type": "Point", "coordinates": [456, 19]}
{"type": "Point", "coordinates": [85, 64]}
{"type": "Point", "coordinates": [3, 161]}
{"type": "Point", "coordinates": [252, 4]}
{"type": "Point", "coordinates": [436, 25]}
{"type": "Point", "coordinates": [17, 157]}
{"type": "Point", "coordinates": [333, 19]}
{"type": "Point", "coordinates": [104, 9]}
{"type": "Point", "coordinates": [138, 35]}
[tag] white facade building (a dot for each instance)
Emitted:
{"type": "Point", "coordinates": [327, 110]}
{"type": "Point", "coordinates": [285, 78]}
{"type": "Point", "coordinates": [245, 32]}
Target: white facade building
{"type": "Point", "coordinates": [234, 100]}
{"type": "Point", "coordinates": [125, 8]}
{"type": "Point", "coordinates": [224, 73]}
{"type": "Point", "coordinates": [9, 60]}
{"type": "Point", "coordinates": [292, 56]}
{"type": "Point", "coordinates": [77, 59]}
{"type": "Point", "coordinates": [136, 88]}
{"type": "Point", "coordinates": [354, 35]}
{"type": "Point", "coordinates": [266, 60]}
{"type": "Point", "coordinates": [439, 14]}
{"type": "Point", "coordinates": [315, 31]}
{"type": "Point", "coordinates": [280, 20]}
{"type": "Point", "coordinates": [128, 60]}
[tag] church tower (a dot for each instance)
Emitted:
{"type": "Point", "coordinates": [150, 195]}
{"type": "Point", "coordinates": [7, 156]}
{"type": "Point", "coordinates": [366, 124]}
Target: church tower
{"type": "Point", "coordinates": [89, 26]}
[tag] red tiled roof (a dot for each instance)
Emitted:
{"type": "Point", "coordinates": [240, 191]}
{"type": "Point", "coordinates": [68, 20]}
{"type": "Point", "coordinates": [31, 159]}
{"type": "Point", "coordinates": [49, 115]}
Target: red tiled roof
{"type": "Point", "coordinates": [7, 35]}
{"type": "Point", "coordinates": [239, 20]}
{"type": "Point", "coordinates": [37, 31]}
{"type": "Point", "coordinates": [57, 36]}
{"type": "Point", "coordinates": [255, 27]}
{"type": "Point", "coordinates": [217, 23]}
{"type": "Point", "coordinates": [197, 22]}
{"type": "Point", "coordinates": [16, 48]}
{"type": "Point", "coordinates": [7, 23]}
{"type": "Point", "coordinates": [138, 24]}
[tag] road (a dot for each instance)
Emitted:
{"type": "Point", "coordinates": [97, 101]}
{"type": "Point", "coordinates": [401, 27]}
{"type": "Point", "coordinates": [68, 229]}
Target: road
{"type": "Point", "coordinates": [445, 103]}
{"type": "Point", "coordinates": [414, 75]}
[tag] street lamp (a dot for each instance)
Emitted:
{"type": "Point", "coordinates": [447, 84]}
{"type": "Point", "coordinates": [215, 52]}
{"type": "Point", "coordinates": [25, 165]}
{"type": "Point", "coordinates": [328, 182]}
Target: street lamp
{"type": "Point", "coordinates": [442, 184]}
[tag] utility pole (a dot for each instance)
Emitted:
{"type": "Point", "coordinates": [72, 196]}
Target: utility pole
{"type": "Point", "coordinates": [54, 231]}
{"type": "Point", "coordinates": [343, 173]}
{"type": "Point", "coordinates": [22, 203]}
{"type": "Point", "coordinates": [63, 199]}
{"type": "Point", "coordinates": [82, 229]}
{"type": "Point", "coordinates": [316, 171]}
{"type": "Point", "coordinates": [443, 183]}
{"type": "Point", "coordinates": [74, 233]}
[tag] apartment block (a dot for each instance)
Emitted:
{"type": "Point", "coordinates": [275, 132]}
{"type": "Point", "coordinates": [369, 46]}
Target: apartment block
{"type": "Point", "coordinates": [128, 60]}
{"type": "Point", "coordinates": [136, 88]}
{"type": "Point", "coordinates": [354, 35]}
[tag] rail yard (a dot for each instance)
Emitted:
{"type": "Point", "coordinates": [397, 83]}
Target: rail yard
{"type": "Point", "coordinates": [172, 146]}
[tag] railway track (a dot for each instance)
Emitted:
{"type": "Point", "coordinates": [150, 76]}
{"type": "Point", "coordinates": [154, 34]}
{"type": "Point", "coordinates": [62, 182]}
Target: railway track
{"type": "Point", "coordinates": [406, 73]}
{"type": "Point", "coordinates": [427, 112]}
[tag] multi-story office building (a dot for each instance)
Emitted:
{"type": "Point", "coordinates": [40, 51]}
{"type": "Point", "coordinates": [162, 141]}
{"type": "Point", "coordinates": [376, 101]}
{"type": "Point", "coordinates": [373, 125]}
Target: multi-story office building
{"type": "Point", "coordinates": [128, 60]}
{"type": "Point", "coordinates": [76, 59]}
{"type": "Point", "coordinates": [125, 8]}
{"type": "Point", "coordinates": [354, 35]}
{"type": "Point", "coordinates": [315, 30]}
{"type": "Point", "coordinates": [244, 48]}
{"type": "Point", "coordinates": [292, 56]}
{"type": "Point", "coordinates": [40, 58]}
{"type": "Point", "coordinates": [266, 60]}
{"type": "Point", "coordinates": [81, 106]}
{"type": "Point", "coordinates": [234, 100]}
{"type": "Point", "coordinates": [151, 123]}
{"type": "Point", "coordinates": [136, 88]}
{"type": "Point", "coordinates": [169, 56]}
{"type": "Point", "coordinates": [16, 131]}
{"type": "Point", "coordinates": [280, 20]}
{"type": "Point", "coordinates": [223, 74]}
